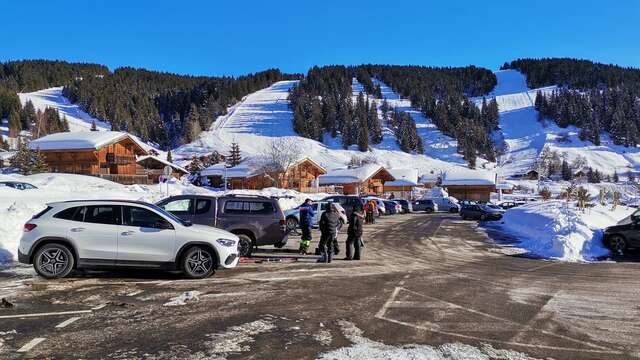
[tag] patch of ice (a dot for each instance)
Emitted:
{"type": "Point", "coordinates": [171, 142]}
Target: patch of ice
{"type": "Point", "coordinates": [184, 298]}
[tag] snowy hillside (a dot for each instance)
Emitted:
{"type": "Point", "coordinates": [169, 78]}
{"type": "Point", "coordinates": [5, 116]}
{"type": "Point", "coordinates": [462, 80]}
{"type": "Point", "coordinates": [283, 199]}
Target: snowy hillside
{"type": "Point", "coordinates": [53, 98]}
{"type": "Point", "coordinates": [264, 115]}
{"type": "Point", "coordinates": [523, 137]}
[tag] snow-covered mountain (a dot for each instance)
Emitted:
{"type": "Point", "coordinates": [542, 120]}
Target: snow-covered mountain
{"type": "Point", "coordinates": [264, 115]}
{"type": "Point", "coordinates": [53, 98]}
{"type": "Point", "coordinates": [523, 137]}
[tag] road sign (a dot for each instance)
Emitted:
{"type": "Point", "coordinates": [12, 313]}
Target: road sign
{"type": "Point", "coordinates": [167, 170]}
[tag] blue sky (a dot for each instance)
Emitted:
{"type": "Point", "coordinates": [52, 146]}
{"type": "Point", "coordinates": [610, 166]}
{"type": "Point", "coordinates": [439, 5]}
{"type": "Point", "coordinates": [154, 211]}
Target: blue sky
{"type": "Point", "coordinates": [237, 37]}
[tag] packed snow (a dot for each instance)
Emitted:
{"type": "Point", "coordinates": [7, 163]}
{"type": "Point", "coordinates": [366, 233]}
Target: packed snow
{"type": "Point", "coordinates": [53, 98]}
{"type": "Point", "coordinates": [18, 206]}
{"type": "Point", "coordinates": [559, 230]}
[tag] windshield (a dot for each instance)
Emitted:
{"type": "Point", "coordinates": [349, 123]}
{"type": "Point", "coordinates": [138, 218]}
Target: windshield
{"type": "Point", "coordinates": [169, 215]}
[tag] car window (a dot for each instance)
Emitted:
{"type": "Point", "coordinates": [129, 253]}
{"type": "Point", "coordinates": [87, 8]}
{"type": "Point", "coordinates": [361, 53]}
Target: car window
{"type": "Point", "coordinates": [179, 206]}
{"type": "Point", "coordinates": [324, 206]}
{"type": "Point", "coordinates": [261, 207]}
{"type": "Point", "coordinates": [235, 207]}
{"type": "Point", "coordinates": [103, 214]}
{"type": "Point", "coordinates": [203, 206]}
{"type": "Point", "coordinates": [139, 217]}
{"type": "Point", "coordinates": [28, 186]}
{"type": "Point", "coordinates": [68, 214]}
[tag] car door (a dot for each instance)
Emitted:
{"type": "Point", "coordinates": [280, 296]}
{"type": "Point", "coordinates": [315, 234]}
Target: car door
{"type": "Point", "coordinates": [95, 233]}
{"type": "Point", "coordinates": [144, 236]}
{"type": "Point", "coordinates": [182, 207]}
{"type": "Point", "coordinates": [204, 211]}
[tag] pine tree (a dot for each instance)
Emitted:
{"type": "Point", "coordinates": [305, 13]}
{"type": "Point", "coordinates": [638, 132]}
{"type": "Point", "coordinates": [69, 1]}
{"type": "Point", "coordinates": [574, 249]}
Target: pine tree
{"type": "Point", "coordinates": [15, 125]}
{"type": "Point", "coordinates": [195, 166]}
{"type": "Point", "coordinates": [615, 178]}
{"type": "Point", "coordinates": [28, 115]}
{"type": "Point", "coordinates": [37, 164]}
{"type": "Point", "coordinates": [375, 128]}
{"type": "Point", "coordinates": [169, 156]}
{"type": "Point", "coordinates": [567, 174]}
{"type": "Point", "coordinates": [28, 161]}
{"type": "Point", "coordinates": [363, 134]}
{"type": "Point", "coordinates": [235, 156]}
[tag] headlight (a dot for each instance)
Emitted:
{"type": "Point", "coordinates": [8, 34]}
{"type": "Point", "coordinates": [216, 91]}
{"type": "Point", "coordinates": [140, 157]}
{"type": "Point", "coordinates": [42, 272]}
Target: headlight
{"type": "Point", "coordinates": [226, 242]}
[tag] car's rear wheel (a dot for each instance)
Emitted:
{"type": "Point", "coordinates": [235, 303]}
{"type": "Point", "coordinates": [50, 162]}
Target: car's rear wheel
{"type": "Point", "coordinates": [53, 261]}
{"type": "Point", "coordinates": [198, 262]}
{"type": "Point", "coordinates": [245, 245]}
{"type": "Point", "coordinates": [617, 244]}
{"type": "Point", "coordinates": [292, 224]}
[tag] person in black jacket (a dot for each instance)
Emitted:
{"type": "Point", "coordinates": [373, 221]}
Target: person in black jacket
{"type": "Point", "coordinates": [328, 230]}
{"type": "Point", "coordinates": [354, 232]}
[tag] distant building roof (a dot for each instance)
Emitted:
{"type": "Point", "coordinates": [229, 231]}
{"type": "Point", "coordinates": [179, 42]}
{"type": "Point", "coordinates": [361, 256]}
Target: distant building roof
{"type": "Point", "coordinates": [468, 177]}
{"type": "Point", "coordinates": [162, 161]}
{"type": "Point", "coordinates": [240, 171]}
{"type": "Point", "coordinates": [504, 186]}
{"type": "Point", "coordinates": [83, 140]}
{"type": "Point", "coordinates": [403, 177]}
{"type": "Point", "coordinates": [429, 178]}
{"type": "Point", "coordinates": [351, 175]}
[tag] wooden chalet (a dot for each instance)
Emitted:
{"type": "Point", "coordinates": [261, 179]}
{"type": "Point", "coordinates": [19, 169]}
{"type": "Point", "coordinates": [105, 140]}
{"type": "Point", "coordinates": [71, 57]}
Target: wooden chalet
{"type": "Point", "coordinates": [405, 181]}
{"type": "Point", "coordinates": [153, 167]}
{"type": "Point", "coordinates": [110, 155]}
{"type": "Point", "coordinates": [301, 176]}
{"type": "Point", "coordinates": [367, 179]}
{"type": "Point", "coordinates": [472, 185]}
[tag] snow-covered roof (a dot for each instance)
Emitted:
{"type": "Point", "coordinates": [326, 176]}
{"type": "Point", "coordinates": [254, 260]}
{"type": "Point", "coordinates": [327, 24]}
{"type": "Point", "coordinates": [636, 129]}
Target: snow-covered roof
{"type": "Point", "coordinates": [403, 177]}
{"type": "Point", "coordinates": [81, 140]}
{"type": "Point", "coordinates": [240, 171]}
{"type": "Point", "coordinates": [468, 177]}
{"type": "Point", "coordinates": [165, 162]}
{"type": "Point", "coordinates": [350, 175]}
{"type": "Point", "coordinates": [428, 178]}
{"type": "Point", "coordinates": [504, 186]}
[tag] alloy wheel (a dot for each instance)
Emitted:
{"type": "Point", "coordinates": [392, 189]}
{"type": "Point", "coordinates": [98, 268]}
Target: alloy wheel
{"type": "Point", "coordinates": [200, 262]}
{"type": "Point", "coordinates": [53, 262]}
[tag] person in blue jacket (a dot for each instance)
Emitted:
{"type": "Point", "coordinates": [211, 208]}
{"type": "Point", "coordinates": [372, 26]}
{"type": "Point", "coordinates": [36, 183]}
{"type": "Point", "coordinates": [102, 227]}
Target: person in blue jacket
{"type": "Point", "coordinates": [306, 222]}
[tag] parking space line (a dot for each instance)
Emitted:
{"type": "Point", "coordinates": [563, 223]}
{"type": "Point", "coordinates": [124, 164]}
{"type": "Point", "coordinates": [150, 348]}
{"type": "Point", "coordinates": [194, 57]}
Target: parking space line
{"type": "Point", "coordinates": [98, 307]}
{"type": "Point", "coordinates": [45, 314]}
{"type": "Point", "coordinates": [31, 344]}
{"type": "Point", "coordinates": [68, 322]}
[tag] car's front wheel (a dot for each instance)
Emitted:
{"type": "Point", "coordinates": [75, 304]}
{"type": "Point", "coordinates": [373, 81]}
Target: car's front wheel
{"type": "Point", "coordinates": [245, 245]}
{"type": "Point", "coordinates": [617, 244]}
{"type": "Point", "coordinates": [198, 262]}
{"type": "Point", "coordinates": [53, 261]}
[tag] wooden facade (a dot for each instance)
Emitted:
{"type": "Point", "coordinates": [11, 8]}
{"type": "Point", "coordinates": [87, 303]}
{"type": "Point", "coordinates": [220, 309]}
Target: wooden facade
{"type": "Point", "coordinates": [115, 161]}
{"type": "Point", "coordinates": [153, 168]}
{"type": "Point", "coordinates": [372, 185]}
{"type": "Point", "coordinates": [471, 192]}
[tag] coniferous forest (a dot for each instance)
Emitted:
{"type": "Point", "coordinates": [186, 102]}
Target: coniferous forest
{"type": "Point", "coordinates": [322, 103]}
{"type": "Point", "coordinates": [593, 97]}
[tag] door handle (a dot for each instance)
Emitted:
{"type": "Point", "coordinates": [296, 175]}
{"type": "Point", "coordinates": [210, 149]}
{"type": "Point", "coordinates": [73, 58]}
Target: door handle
{"type": "Point", "coordinates": [78, 229]}
{"type": "Point", "coordinates": [126, 233]}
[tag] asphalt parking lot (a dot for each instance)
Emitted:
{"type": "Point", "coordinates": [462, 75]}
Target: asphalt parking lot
{"type": "Point", "coordinates": [425, 279]}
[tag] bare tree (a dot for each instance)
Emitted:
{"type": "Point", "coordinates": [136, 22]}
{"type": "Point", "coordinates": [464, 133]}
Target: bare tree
{"type": "Point", "coordinates": [278, 157]}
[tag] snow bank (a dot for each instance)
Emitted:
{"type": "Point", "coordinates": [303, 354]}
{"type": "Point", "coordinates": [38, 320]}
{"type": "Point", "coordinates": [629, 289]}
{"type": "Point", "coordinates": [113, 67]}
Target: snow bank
{"type": "Point", "coordinates": [559, 230]}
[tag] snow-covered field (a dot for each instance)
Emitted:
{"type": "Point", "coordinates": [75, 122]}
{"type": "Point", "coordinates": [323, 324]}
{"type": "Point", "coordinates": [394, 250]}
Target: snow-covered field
{"type": "Point", "coordinates": [17, 206]}
{"type": "Point", "coordinates": [559, 230]}
{"type": "Point", "coordinates": [53, 98]}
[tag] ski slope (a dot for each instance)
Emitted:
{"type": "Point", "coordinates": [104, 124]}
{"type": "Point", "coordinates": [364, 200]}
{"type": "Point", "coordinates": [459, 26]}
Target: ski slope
{"type": "Point", "coordinates": [265, 115]}
{"type": "Point", "coordinates": [522, 137]}
{"type": "Point", "coordinates": [53, 98]}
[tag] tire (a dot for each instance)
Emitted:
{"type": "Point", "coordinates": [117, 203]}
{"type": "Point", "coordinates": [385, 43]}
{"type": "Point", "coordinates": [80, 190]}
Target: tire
{"type": "Point", "coordinates": [617, 244]}
{"type": "Point", "coordinates": [245, 245]}
{"type": "Point", "coordinates": [429, 210]}
{"type": "Point", "coordinates": [292, 224]}
{"type": "Point", "coordinates": [198, 262]}
{"type": "Point", "coordinates": [53, 261]}
{"type": "Point", "coordinates": [464, 217]}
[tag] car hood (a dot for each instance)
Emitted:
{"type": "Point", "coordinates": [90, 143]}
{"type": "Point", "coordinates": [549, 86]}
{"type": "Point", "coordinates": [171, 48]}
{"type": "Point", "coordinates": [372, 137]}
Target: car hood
{"type": "Point", "coordinates": [210, 233]}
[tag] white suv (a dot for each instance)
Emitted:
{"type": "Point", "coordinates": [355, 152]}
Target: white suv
{"type": "Point", "coordinates": [115, 233]}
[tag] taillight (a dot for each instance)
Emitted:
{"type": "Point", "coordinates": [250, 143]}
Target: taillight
{"type": "Point", "coordinates": [283, 222]}
{"type": "Point", "coordinates": [28, 227]}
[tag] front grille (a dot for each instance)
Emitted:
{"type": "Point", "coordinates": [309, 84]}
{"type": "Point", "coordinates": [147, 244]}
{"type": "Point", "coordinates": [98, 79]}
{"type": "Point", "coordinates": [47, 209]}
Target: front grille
{"type": "Point", "coordinates": [230, 259]}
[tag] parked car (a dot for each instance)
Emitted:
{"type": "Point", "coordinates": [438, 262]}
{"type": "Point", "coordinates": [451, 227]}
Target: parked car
{"type": "Point", "coordinates": [256, 220]}
{"type": "Point", "coordinates": [480, 212]}
{"type": "Point", "coordinates": [506, 205]}
{"type": "Point", "coordinates": [406, 205]}
{"type": "Point", "coordinates": [623, 235]}
{"type": "Point", "coordinates": [382, 209]}
{"type": "Point", "coordinates": [426, 205]}
{"type": "Point", "coordinates": [346, 201]}
{"type": "Point", "coordinates": [392, 208]}
{"type": "Point", "coordinates": [319, 207]}
{"type": "Point", "coordinates": [17, 185]}
{"type": "Point", "coordinates": [449, 204]}
{"type": "Point", "coordinates": [111, 233]}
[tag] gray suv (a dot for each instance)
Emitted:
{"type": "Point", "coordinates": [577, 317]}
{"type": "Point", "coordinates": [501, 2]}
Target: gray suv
{"type": "Point", "coordinates": [256, 220]}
